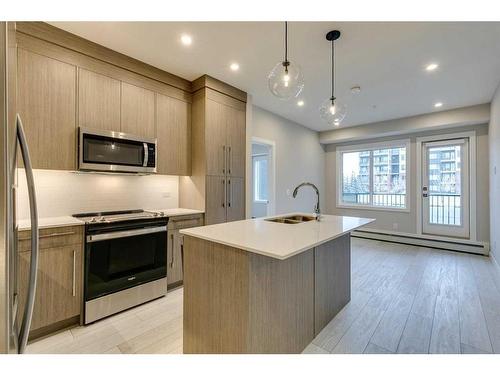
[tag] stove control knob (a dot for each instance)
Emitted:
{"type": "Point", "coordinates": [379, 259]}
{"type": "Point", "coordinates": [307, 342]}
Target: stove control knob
{"type": "Point", "coordinates": [162, 213]}
{"type": "Point", "coordinates": [102, 219]}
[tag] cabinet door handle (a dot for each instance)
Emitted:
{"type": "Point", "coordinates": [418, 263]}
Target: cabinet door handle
{"type": "Point", "coordinates": [182, 255]}
{"type": "Point", "coordinates": [224, 193]}
{"type": "Point", "coordinates": [173, 251]}
{"type": "Point", "coordinates": [230, 160]}
{"type": "Point", "coordinates": [74, 274]}
{"type": "Point", "coordinates": [230, 189]}
{"type": "Point", "coordinates": [225, 159]}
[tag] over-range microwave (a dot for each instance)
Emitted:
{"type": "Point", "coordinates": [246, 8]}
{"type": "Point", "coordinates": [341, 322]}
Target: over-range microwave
{"type": "Point", "coordinates": [111, 151]}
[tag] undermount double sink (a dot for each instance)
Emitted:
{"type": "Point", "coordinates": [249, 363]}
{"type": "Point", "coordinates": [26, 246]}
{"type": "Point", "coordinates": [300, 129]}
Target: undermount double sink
{"type": "Point", "coordinates": [293, 219]}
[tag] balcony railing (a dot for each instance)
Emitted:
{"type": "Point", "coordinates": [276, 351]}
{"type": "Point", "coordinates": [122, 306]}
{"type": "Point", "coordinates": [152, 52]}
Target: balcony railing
{"type": "Point", "coordinates": [444, 209]}
{"type": "Point", "coordinates": [379, 199]}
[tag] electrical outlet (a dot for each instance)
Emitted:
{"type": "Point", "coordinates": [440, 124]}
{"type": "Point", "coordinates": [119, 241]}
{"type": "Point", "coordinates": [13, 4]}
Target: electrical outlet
{"type": "Point", "coordinates": [166, 194]}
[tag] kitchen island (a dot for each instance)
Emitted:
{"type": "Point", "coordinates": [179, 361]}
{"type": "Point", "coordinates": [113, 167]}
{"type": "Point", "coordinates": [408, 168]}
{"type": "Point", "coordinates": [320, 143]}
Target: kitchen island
{"type": "Point", "coordinates": [263, 286]}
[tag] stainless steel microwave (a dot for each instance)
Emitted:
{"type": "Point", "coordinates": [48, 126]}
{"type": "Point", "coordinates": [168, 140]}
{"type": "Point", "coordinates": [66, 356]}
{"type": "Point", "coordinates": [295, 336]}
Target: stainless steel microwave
{"type": "Point", "coordinates": [110, 151]}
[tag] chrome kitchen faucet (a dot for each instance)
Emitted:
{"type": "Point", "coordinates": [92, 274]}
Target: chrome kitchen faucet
{"type": "Point", "coordinates": [316, 208]}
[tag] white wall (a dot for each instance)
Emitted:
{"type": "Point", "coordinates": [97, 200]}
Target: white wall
{"type": "Point", "coordinates": [61, 193]}
{"type": "Point", "coordinates": [299, 157]}
{"type": "Point", "coordinates": [495, 175]}
{"type": "Point", "coordinates": [406, 222]}
{"type": "Point", "coordinates": [453, 118]}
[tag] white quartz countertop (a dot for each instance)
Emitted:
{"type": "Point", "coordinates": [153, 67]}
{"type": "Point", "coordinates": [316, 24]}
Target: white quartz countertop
{"type": "Point", "coordinates": [64, 221]}
{"type": "Point", "coordinates": [278, 240]}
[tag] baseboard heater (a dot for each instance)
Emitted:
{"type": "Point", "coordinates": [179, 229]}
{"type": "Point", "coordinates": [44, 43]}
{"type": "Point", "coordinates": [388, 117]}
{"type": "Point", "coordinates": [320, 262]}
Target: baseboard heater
{"type": "Point", "coordinates": [454, 244]}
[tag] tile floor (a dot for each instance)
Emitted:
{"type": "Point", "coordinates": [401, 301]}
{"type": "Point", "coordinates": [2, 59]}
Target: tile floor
{"type": "Point", "coordinates": [405, 299]}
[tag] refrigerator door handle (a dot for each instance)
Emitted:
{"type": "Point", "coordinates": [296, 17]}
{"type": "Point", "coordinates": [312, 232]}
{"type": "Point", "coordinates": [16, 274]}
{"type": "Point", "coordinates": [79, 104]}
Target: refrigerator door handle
{"type": "Point", "coordinates": [30, 302]}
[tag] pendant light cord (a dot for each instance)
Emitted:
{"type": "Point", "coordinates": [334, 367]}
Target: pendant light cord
{"type": "Point", "coordinates": [333, 73]}
{"type": "Point", "coordinates": [286, 41]}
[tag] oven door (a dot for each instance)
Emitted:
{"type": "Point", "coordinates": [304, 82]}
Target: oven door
{"type": "Point", "coordinates": [115, 152]}
{"type": "Point", "coordinates": [124, 258]}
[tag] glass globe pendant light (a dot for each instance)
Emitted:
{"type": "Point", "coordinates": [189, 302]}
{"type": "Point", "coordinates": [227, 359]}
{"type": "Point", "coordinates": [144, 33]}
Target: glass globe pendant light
{"type": "Point", "coordinates": [285, 80]}
{"type": "Point", "coordinates": [332, 111]}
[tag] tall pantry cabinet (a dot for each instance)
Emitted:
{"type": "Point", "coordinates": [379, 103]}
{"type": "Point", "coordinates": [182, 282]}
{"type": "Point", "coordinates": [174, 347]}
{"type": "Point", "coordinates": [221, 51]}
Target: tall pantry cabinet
{"type": "Point", "coordinates": [217, 183]}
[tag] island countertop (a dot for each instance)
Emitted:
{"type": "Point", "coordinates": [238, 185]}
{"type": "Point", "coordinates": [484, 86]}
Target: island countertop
{"type": "Point", "coordinates": [277, 240]}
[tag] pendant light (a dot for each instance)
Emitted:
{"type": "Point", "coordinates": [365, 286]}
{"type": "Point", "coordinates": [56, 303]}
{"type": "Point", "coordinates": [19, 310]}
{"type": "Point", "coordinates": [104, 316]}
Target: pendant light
{"type": "Point", "coordinates": [285, 80]}
{"type": "Point", "coordinates": [332, 111]}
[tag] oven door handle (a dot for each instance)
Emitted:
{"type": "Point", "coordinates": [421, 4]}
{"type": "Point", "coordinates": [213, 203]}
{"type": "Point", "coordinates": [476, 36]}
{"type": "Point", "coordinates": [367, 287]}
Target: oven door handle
{"type": "Point", "coordinates": [124, 233]}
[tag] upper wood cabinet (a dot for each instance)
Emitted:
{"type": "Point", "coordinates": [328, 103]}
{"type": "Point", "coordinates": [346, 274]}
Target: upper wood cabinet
{"type": "Point", "coordinates": [47, 105]}
{"type": "Point", "coordinates": [98, 101]}
{"type": "Point", "coordinates": [173, 133]}
{"type": "Point", "coordinates": [137, 111]}
{"type": "Point", "coordinates": [215, 138]}
{"type": "Point", "coordinates": [236, 141]}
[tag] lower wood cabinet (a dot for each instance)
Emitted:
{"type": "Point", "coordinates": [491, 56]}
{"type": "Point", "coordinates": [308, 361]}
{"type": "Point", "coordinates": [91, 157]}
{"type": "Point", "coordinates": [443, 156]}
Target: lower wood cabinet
{"type": "Point", "coordinates": [174, 246]}
{"type": "Point", "coordinates": [58, 298]}
{"type": "Point", "coordinates": [225, 199]}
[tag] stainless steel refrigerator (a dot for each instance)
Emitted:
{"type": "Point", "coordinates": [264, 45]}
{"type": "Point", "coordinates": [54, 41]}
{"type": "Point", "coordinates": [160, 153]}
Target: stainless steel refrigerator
{"type": "Point", "coordinates": [14, 324]}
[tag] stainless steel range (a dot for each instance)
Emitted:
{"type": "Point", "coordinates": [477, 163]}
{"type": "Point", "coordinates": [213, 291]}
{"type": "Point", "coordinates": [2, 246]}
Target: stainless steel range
{"type": "Point", "coordinates": [125, 260]}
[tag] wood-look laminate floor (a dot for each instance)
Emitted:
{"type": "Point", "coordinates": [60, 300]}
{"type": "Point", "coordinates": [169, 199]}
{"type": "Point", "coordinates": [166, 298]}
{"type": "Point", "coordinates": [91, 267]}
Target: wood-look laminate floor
{"type": "Point", "coordinates": [405, 299]}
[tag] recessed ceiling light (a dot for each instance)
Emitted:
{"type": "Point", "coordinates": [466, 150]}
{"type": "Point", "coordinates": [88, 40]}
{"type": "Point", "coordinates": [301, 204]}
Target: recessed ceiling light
{"type": "Point", "coordinates": [186, 40]}
{"type": "Point", "coordinates": [234, 67]}
{"type": "Point", "coordinates": [355, 89]}
{"type": "Point", "coordinates": [438, 104]}
{"type": "Point", "coordinates": [431, 67]}
{"type": "Point", "coordinates": [300, 103]}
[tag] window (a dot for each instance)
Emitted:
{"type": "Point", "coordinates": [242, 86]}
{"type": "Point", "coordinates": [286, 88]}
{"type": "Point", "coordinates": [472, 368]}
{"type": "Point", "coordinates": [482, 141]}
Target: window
{"type": "Point", "coordinates": [260, 177]}
{"type": "Point", "coordinates": [374, 176]}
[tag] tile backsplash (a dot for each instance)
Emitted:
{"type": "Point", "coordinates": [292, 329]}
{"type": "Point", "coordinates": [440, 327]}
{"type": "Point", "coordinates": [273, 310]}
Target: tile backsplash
{"type": "Point", "coordinates": [61, 193]}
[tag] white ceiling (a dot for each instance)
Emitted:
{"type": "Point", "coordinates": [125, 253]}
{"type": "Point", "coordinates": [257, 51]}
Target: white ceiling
{"type": "Point", "coordinates": [386, 59]}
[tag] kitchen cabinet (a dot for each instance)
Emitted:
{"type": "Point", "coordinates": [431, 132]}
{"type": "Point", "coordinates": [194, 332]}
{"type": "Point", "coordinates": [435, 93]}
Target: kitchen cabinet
{"type": "Point", "coordinates": [217, 182]}
{"type": "Point", "coordinates": [98, 101]}
{"type": "Point", "coordinates": [236, 141]}
{"type": "Point", "coordinates": [215, 138]}
{"type": "Point", "coordinates": [175, 244]}
{"type": "Point", "coordinates": [216, 194]}
{"type": "Point", "coordinates": [225, 139]}
{"type": "Point", "coordinates": [235, 198]}
{"type": "Point", "coordinates": [225, 199]}
{"type": "Point", "coordinates": [47, 105]}
{"type": "Point", "coordinates": [58, 298]}
{"type": "Point", "coordinates": [173, 133]}
{"type": "Point", "coordinates": [137, 111]}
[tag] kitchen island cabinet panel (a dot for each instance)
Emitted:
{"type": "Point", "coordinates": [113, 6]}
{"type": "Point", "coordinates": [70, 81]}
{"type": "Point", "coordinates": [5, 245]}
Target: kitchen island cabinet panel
{"type": "Point", "coordinates": [238, 301]}
{"type": "Point", "coordinates": [332, 289]}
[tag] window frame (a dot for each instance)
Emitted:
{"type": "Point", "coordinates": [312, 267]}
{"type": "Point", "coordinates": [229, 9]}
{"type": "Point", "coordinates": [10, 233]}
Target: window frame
{"type": "Point", "coordinates": [400, 143]}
